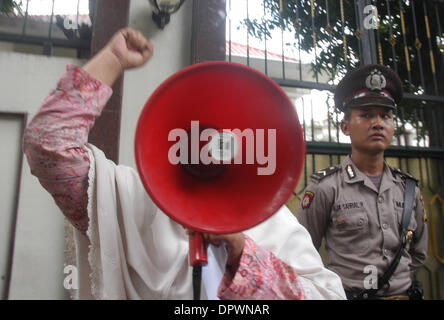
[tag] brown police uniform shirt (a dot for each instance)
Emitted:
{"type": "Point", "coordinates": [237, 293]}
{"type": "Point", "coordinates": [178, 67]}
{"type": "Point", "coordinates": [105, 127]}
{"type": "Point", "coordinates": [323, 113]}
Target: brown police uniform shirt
{"type": "Point", "coordinates": [361, 225]}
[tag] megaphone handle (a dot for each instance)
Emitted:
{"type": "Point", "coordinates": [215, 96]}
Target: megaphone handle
{"type": "Point", "coordinates": [197, 282]}
{"type": "Point", "coordinates": [198, 250]}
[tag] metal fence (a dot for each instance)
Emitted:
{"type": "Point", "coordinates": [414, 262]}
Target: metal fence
{"type": "Point", "coordinates": [306, 46]}
{"type": "Point", "coordinates": [49, 24]}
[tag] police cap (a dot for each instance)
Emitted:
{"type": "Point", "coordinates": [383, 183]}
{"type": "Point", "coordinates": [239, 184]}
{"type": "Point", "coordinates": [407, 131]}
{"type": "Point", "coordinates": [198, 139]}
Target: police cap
{"type": "Point", "coordinates": [369, 85]}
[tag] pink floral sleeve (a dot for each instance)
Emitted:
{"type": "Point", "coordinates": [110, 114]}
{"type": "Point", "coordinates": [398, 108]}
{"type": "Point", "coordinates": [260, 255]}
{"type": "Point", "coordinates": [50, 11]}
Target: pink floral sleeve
{"type": "Point", "coordinates": [54, 141]}
{"type": "Point", "coordinates": [260, 276]}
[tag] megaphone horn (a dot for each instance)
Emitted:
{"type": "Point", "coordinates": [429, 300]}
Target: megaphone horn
{"type": "Point", "coordinates": [219, 149]}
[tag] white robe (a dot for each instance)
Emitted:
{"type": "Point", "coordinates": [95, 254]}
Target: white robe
{"type": "Point", "coordinates": [135, 251]}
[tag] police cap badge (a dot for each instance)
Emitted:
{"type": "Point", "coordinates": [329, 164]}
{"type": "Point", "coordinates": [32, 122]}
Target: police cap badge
{"type": "Point", "coordinates": [369, 85]}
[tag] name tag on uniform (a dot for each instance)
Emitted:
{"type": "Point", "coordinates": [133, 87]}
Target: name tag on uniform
{"type": "Point", "coordinates": [348, 206]}
{"type": "Point", "coordinates": [399, 204]}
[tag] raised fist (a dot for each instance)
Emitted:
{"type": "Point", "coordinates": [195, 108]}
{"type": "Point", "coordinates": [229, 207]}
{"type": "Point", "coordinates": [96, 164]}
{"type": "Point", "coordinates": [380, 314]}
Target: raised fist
{"type": "Point", "coordinates": [130, 48]}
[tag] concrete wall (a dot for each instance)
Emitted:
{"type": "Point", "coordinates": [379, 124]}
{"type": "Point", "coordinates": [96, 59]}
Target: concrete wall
{"type": "Point", "coordinates": [37, 270]}
{"type": "Point", "coordinates": [25, 80]}
{"type": "Point", "coordinates": [172, 52]}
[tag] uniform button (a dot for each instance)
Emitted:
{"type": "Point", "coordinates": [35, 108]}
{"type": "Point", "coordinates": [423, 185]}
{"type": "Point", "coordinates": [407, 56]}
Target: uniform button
{"type": "Point", "coordinates": [385, 252]}
{"type": "Point", "coordinates": [380, 199]}
{"type": "Point", "coordinates": [385, 226]}
{"type": "Point", "coordinates": [361, 221]}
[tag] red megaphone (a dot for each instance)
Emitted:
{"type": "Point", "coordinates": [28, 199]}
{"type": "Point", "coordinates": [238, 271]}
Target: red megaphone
{"type": "Point", "coordinates": [244, 124]}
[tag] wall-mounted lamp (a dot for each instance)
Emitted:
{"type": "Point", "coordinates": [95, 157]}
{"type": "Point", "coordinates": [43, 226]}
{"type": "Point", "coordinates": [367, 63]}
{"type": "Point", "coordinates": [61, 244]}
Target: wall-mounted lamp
{"type": "Point", "coordinates": [162, 9]}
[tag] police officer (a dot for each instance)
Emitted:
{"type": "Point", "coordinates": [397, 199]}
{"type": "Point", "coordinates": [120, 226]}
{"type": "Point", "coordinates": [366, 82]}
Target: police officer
{"type": "Point", "coordinates": [358, 206]}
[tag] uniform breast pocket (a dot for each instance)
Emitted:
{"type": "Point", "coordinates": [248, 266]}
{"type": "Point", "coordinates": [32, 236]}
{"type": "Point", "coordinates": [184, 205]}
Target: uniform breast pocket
{"type": "Point", "coordinates": [350, 231]}
{"type": "Point", "coordinates": [399, 209]}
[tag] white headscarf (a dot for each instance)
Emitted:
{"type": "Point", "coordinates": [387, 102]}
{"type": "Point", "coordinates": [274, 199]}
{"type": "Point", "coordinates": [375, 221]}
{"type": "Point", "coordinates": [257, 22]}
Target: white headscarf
{"type": "Point", "coordinates": [135, 251]}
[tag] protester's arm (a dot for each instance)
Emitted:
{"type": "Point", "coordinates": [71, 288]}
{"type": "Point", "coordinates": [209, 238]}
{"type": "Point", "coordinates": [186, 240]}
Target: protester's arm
{"type": "Point", "coordinates": [54, 141]}
{"type": "Point", "coordinates": [126, 50]}
{"type": "Point", "coordinates": [260, 275]}
{"type": "Point", "coordinates": [285, 265]}
{"type": "Point", "coordinates": [252, 272]}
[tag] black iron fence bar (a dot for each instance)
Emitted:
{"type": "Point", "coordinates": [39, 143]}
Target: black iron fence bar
{"type": "Point", "coordinates": [402, 116]}
{"type": "Point", "coordinates": [358, 33]}
{"type": "Point", "coordinates": [313, 163]}
{"type": "Point", "coordinates": [429, 182]}
{"type": "Point", "coordinates": [438, 176]}
{"type": "Point", "coordinates": [313, 28]}
{"type": "Point", "coordinates": [281, 10]}
{"type": "Point", "coordinates": [429, 41]}
{"type": "Point", "coordinates": [337, 128]}
{"type": "Point", "coordinates": [398, 136]}
{"type": "Point", "coordinates": [328, 118]}
{"type": "Point", "coordinates": [329, 128]}
{"type": "Point", "coordinates": [265, 39]}
{"type": "Point", "coordinates": [77, 19]}
{"type": "Point", "coordinates": [323, 86]}
{"type": "Point", "coordinates": [25, 20]}
{"type": "Point", "coordinates": [395, 59]}
{"type": "Point", "coordinates": [48, 46]}
{"type": "Point", "coordinates": [47, 42]}
{"type": "Point", "coordinates": [282, 53]}
{"type": "Point", "coordinates": [312, 121]}
{"type": "Point", "coordinates": [325, 148]}
{"type": "Point", "coordinates": [441, 130]}
{"type": "Point", "coordinates": [400, 163]}
{"type": "Point", "coordinates": [304, 126]}
{"type": "Point", "coordinates": [392, 39]}
{"type": "Point", "coordinates": [298, 30]}
{"type": "Point", "coordinates": [378, 40]}
{"type": "Point", "coordinates": [329, 29]}
{"type": "Point", "coordinates": [304, 84]}
{"type": "Point", "coordinates": [418, 46]}
{"type": "Point", "coordinates": [229, 30]}
{"type": "Point", "coordinates": [421, 117]}
{"type": "Point", "coordinates": [50, 21]}
{"type": "Point", "coordinates": [441, 44]}
{"type": "Point", "coordinates": [344, 37]}
{"type": "Point", "coordinates": [328, 26]}
{"type": "Point", "coordinates": [75, 44]}
{"type": "Point", "coordinates": [406, 140]}
{"type": "Point", "coordinates": [435, 126]}
{"type": "Point", "coordinates": [421, 174]}
{"type": "Point", "coordinates": [379, 45]}
{"type": "Point", "coordinates": [248, 37]}
{"type": "Point", "coordinates": [415, 113]}
{"type": "Point", "coordinates": [406, 50]}
{"type": "Point", "coordinates": [367, 36]}
{"type": "Point", "coordinates": [423, 97]}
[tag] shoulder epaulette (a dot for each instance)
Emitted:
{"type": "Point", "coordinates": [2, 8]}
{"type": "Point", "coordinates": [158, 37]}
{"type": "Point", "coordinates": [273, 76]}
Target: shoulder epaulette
{"type": "Point", "coordinates": [403, 175]}
{"type": "Point", "coordinates": [321, 174]}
